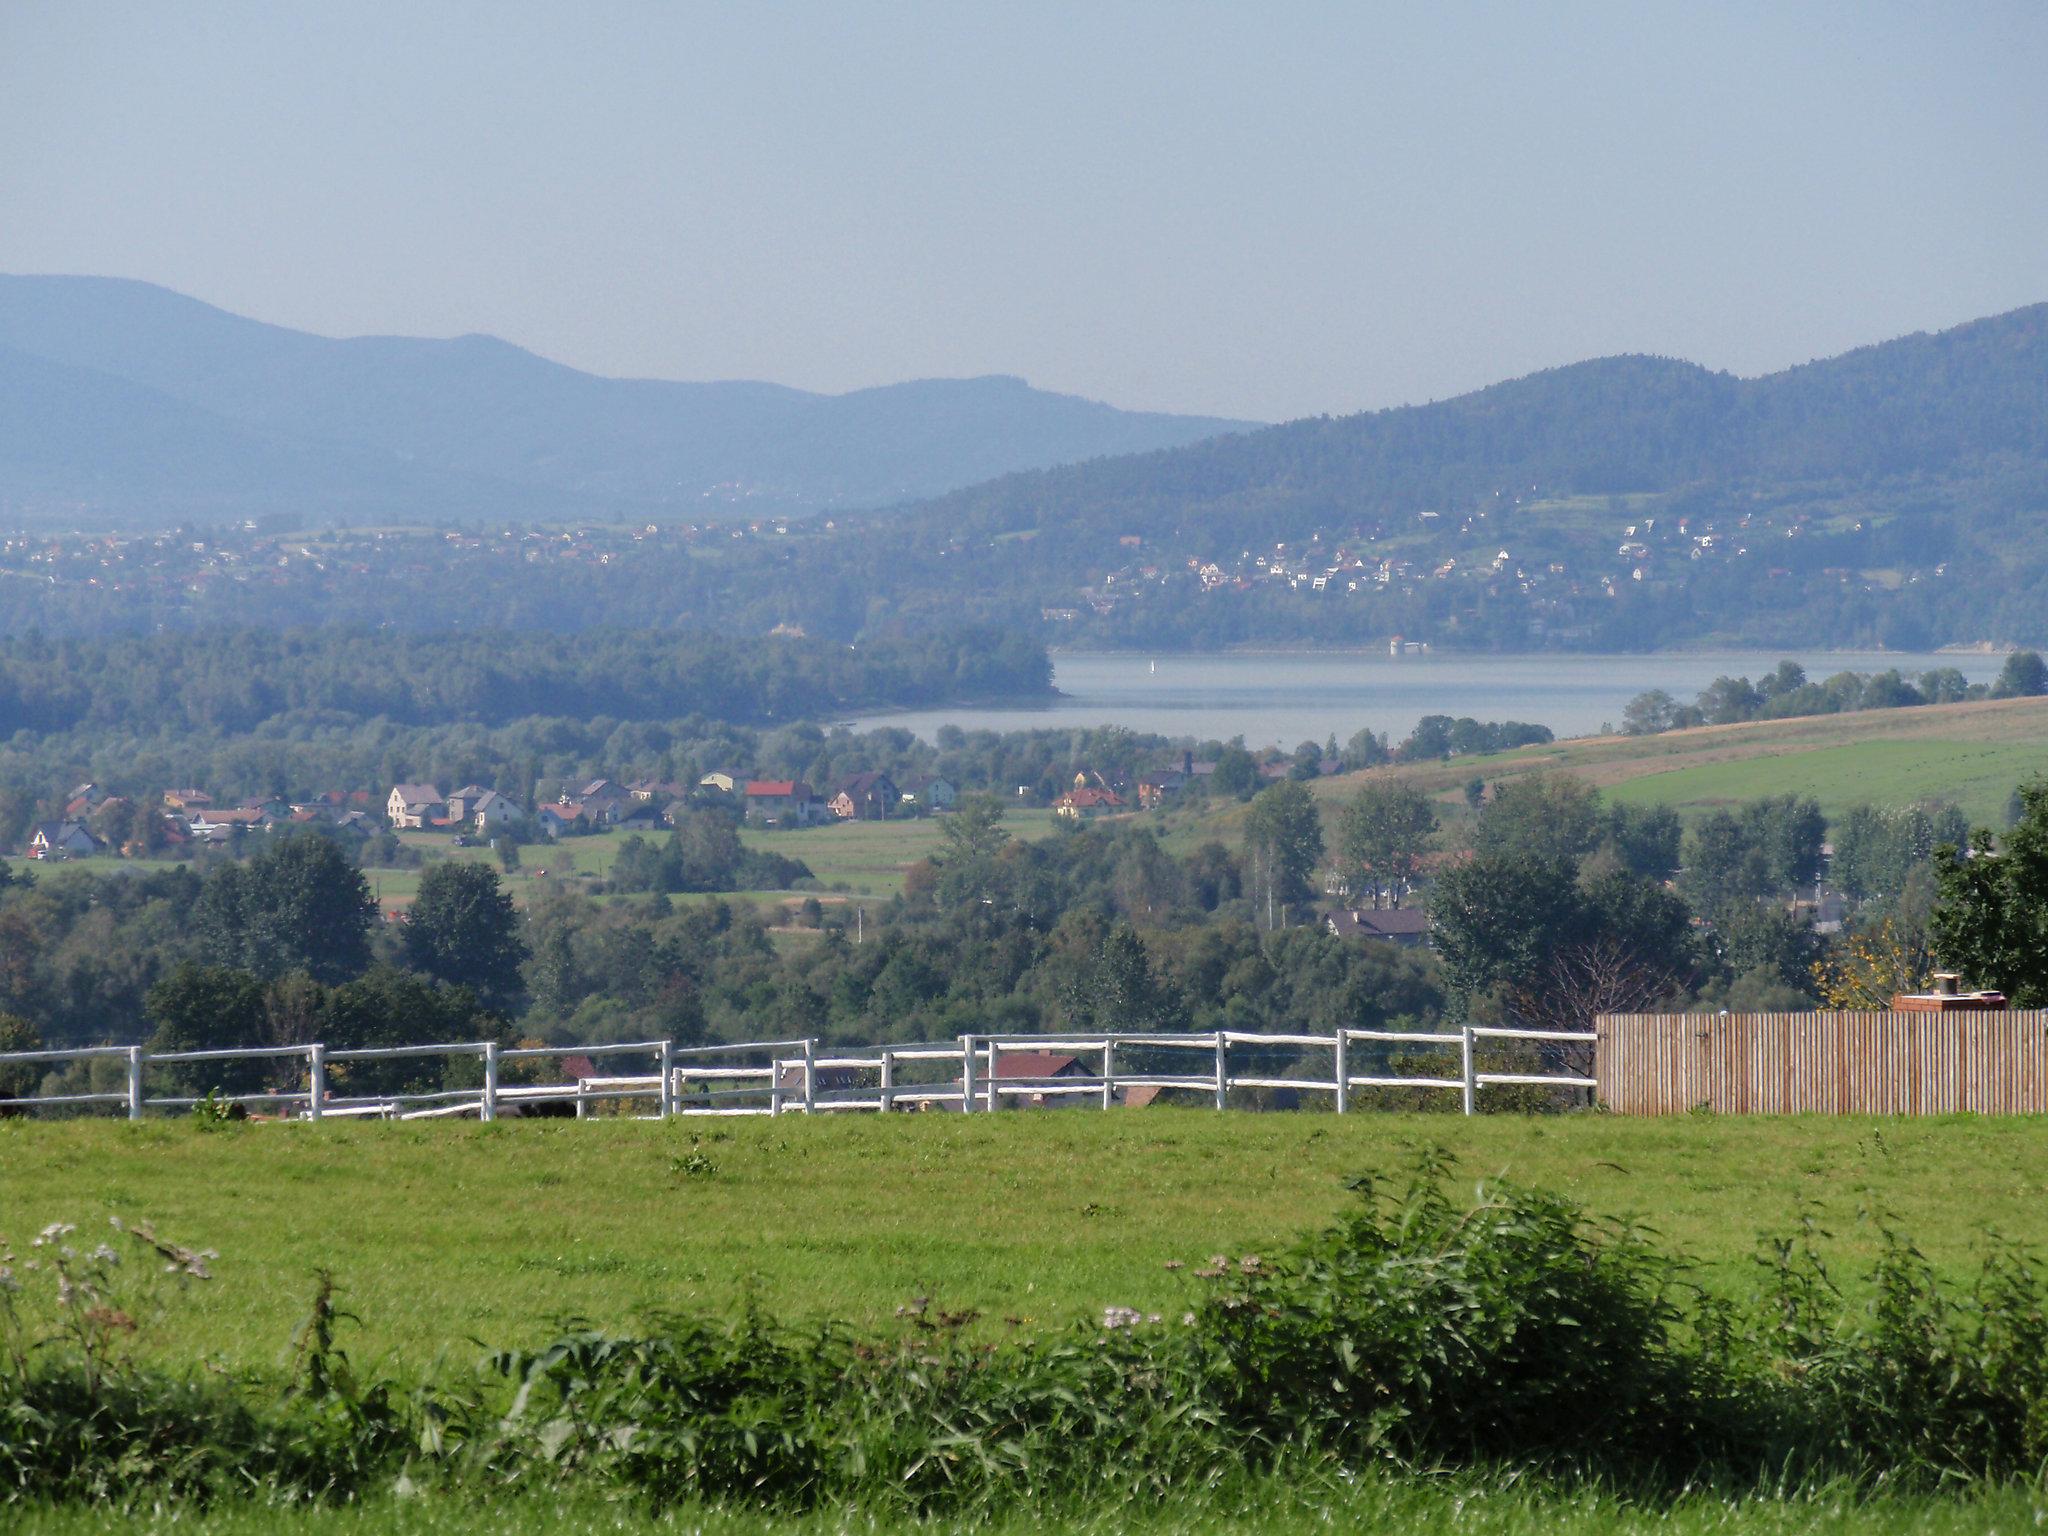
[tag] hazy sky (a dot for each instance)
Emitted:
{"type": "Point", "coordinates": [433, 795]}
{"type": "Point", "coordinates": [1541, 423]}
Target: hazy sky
{"type": "Point", "coordinates": [1259, 209]}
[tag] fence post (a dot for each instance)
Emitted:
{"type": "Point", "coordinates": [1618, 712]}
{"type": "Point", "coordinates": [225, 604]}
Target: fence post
{"type": "Point", "coordinates": [582, 1100]}
{"type": "Point", "coordinates": [1222, 1070]}
{"type": "Point", "coordinates": [666, 1102]}
{"type": "Point", "coordinates": [1343, 1069]}
{"type": "Point", "coordinates": [888, 1079]}
{"type": "Point", "coordinates": [134, 1082]}
{"type": "Point", "coordinates": [967, 1074]}
{"type": "Point", "coordinates": [316, 1080]}
{"type": "Point", "coordinates": [488, 1110]}
{"type": "Point", "coordinates": [810, 1076]}
{"type": "Point", "coordinates": [774, 1085]}
{"type": "Point", "coordinates": [1471, 1072]}
{"type": "Point", "coordinates": [1108, 1072]}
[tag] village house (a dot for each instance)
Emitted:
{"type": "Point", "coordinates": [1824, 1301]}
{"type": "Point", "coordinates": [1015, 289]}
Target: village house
{"type": "Point", "coordinates": [1086, 804]}
{"type": "Point", "coordinates": [1156, 789]}
{"type": "Point", "coordinates": [641, 816]}
{"type": "Point", "coordinates": [1021, 1070]}
{"type": "Point", "coordinates": [413, 805]}
{"type": "Point", "coordinates": [483, 809]}
{"type": "Point", "coordinates": [780, 802]}
{"type": "Point", "coordinates": [561, 817]}
{"type": "Point", "coordinates": [217, 825]}
{"type": "Point", "coordinates": [723, 780]}
{"type": "Point", "coordinates": [865, 797]}
{"type": "Point", "coordinates": [605, 809]}
{"type": "Point", "coordinates": [656, 791]}
{"type": "Point", "coordinates": [187, 800]}
{"type": "Point", "coordinates": [1405, 926]}
{"type": "Point", "coordinates": [928, 792]}
{"type": "Point", "coordinates": [63, 840]}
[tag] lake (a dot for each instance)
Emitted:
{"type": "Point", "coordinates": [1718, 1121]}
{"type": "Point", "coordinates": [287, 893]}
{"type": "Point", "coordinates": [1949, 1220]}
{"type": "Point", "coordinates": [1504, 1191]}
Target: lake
{"type": "Point", "coordinates": [1284, 698]}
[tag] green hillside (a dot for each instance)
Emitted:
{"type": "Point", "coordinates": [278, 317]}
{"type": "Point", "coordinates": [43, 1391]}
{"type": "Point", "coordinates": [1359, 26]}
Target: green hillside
{"type": "Point", "coordinates": [1968, 754]}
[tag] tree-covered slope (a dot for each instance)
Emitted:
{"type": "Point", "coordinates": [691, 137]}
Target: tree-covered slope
{"type": "Point", "coordinates": [1919, 405]}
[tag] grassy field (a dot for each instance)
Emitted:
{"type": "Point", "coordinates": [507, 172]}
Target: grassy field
{"type": "Point", "coordinates": [1442, 1507]}
{"type": "Point", "coordinates": [446, 1232]}
{"type": "Point", "coordinates": [1971, 754]}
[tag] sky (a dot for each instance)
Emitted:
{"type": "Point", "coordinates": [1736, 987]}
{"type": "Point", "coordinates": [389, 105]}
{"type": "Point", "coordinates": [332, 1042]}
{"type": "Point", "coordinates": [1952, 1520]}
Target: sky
{"type": "Point", "coordinates": [1258, 210]}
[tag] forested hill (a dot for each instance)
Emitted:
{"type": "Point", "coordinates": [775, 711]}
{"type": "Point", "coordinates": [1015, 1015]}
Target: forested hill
{"type": "Point", "coordinates": [265, 422]}
{"type": "Point", "coordinates": [1920, 406]}
{"type": "Point", "coordinates": [1896, 495]}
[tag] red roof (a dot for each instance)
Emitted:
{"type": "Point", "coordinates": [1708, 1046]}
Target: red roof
{"type": "Point", "coordinates": [1083, 799]}
{"type": "Point", "coordinates": [780, 789]}
{"type": "Point", "coordinates": [1034, 1064]}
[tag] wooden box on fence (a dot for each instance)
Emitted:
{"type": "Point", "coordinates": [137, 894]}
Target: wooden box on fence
{"type": "Point", "coordinates": [1901, 1062]}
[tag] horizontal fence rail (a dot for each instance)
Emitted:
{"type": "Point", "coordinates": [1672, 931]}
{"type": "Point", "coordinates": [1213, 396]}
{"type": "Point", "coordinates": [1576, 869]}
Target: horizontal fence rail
{"type": "Point", "coordinates": [974, 1074]}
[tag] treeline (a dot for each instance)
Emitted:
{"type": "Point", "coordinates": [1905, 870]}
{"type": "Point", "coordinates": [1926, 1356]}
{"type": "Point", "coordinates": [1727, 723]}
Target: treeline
{"type": "Point", "coordinates": [1786, 693]}
{"type": "Point", "coordinates": [239, 681]}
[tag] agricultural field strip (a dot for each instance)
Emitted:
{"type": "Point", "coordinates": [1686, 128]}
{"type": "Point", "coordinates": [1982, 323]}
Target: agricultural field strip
{"type": "Point", "coordinates": [442, 1231]}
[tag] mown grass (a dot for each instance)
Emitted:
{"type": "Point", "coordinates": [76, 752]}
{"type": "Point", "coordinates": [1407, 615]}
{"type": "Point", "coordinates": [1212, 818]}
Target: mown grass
{"type": "Point", "coordinates": [443, 1233]}
{"type": "Point", "coordinates": [1454, 1507]}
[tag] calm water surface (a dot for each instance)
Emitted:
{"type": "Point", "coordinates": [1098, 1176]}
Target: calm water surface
{"type": "Point", "coordinates": [1288, 698]}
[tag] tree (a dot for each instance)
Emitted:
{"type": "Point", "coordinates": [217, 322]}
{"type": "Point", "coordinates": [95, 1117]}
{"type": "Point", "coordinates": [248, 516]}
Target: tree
{"type": "Point", "coordinates": [211, 1007]}
{"type": "Point", "coordinates": [18, 1079]}
{"type": "Point", "coordinates": [1542, 815]}
{"type": "Point", "coordinates": [1382, 836]}
{"type": "Point", "coordinates": [1763, 848]}
{"type": "Point", "coordinates": [1648, 714]}
{"type": "Point", "coordinates": [1499, 916]}
{"type": "Point", "coordinates": [297, 906]}
{"type": "Point", "coordinates": [463, 930]}
{"type": "Point", "coordinates": [1283, 838]}
{"type": "Point", "coordinates": [1868, 967]}
{"type": "Point", "coordinates": [1990, 917]}
{"type": "Point", "coordinates": [1236, 772]}
{"type": "Point", "coordinates": [386, 1006]}
{"type": "Point", "coordinates": [1646, 839]}
{"type": "Point", "coordinates": [1559, 950]}
{"type": "Point", "coordinates": [2024, 676]}
{"type": "Point", "coordinates": [1120, 991]}
{"type": "Point", "coordinates": [970, 839]}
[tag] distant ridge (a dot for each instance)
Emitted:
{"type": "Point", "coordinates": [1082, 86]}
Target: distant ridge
{"type": "Point", "coordinates": [1920, 405]}
{"type": "Point", "coordinates": [170, 407]}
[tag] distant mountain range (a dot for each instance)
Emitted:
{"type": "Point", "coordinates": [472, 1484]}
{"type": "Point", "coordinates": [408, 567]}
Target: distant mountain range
{"type": "Point", "coordinates": [121, 402]}
{"type": "Point", "coordinates": [1894, 496]}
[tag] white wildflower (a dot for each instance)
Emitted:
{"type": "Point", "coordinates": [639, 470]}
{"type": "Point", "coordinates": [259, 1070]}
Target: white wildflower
{"type": "Point", "coordinates": [1121, 1317]}
{"type": "Point", "coordinates": [54, 1231]}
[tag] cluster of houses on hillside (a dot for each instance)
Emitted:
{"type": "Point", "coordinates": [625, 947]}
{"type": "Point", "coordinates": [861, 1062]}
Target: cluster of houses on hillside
{"type": "Point", "coordinates": [868, 796]}
{"type": "Point", "coordinates": [96, 822]}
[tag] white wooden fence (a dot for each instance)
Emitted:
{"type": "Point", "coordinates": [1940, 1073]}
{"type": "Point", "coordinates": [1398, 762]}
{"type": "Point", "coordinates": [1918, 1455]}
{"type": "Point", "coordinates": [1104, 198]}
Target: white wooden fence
{"type": "Point", "coordinates": [973, 1074]}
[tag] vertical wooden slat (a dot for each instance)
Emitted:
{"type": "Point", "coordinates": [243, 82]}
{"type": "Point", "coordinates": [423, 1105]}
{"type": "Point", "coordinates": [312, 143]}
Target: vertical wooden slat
{"type": "Point", "coordinates": [1824, 1063]}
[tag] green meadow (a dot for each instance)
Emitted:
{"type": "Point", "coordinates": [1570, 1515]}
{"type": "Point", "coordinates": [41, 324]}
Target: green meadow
{"type": "Point", "coordinates": [439, 1233]}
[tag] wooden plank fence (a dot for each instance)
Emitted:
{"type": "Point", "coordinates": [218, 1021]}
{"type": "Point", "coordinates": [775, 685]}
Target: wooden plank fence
{"type": "Point", "coordinates": [778, 1077]}
{"type": "Point", "coordinates": [1823, 1063]}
